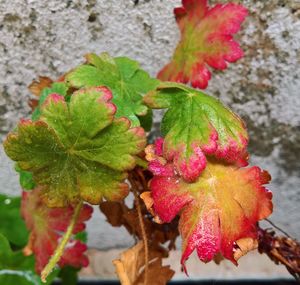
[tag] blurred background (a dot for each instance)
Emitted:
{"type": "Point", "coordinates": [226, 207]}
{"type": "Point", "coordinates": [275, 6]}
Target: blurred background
{"type": "Point", "coordinates": [50, 37]}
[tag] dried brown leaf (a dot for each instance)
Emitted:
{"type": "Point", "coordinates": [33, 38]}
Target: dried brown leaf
{"type": "Point", "coordinates": [130, 267]}
{"type": "Point", "coordinates": [148, 201]}
{"type": "Point", "coordinates": [37, 86]}
{"type": "Point", "coordinates": [119, 214]}
{"type": "Point", "coordinates": [281, 249]}
{"type": "Point", "coordinates": [244, 245]}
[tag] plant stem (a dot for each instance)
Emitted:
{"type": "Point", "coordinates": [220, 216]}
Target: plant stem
{"type": "Point", "coordinates": [141, 162]}
{"type": "Point", "coordinates": [60, 249]}
{"type": "Point", "coordinates": [278, 228]}
{"type": "Point", "coordinates": [144, 235]}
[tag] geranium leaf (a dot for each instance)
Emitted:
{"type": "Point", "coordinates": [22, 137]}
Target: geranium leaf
{"type": "Point", "coordinates": [147, 120]}
{"type": "Point", "coordinates": [206, 40]}
{"type": "Point", "coordinates": [47, 226]}
{"type": "Point", "coordinates": [77, 150]}
{"type": "Point", "coordinates": [12, 225]}
{"type": "Point", "coordinates": [68, 275]}
{"type": "Point", "coordinates": [59, 88]}
{"type": "Point", "coordinates": [216, 211]}
{"type": "Point", "coordinates": [123, 76]}
{"type": "Point", "coordinates": [15, 268]}
{"type": "Point", "coordinates": [26, 179]}
{"type": "Point", "coordinates": [196, 125]}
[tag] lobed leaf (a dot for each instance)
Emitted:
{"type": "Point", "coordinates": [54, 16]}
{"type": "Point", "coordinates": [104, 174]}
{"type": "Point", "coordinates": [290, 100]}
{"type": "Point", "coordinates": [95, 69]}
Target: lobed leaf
{"type": "Point", "coordinates": [15, 268]}
{"type": "Point", "coordinates": [206, 40]}
{"type": "Point", "coordinates": [47, 226]}
{"type": "Point", "coordinates": [12, 225]}
{"type": "Point", "coordinates": [58, 88]}
{"type": "Point", "coordinates": [216, 211]}
{"type": "Point", "coordinates": [77, 150]}
{"type": "Point", "coordinates": [123, 76]}
{"type": "Point", "coordinates": [197, 125]}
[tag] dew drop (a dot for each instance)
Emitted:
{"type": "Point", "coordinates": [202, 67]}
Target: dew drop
{"type": "Point", "coordinates": [7, 201]}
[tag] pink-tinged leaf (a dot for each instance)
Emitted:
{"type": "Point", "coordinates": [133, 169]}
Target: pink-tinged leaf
{"type": "Point", "coordinates": [47, 226]}
{"type": "Point", "coordinates": [206, 40]}
{"type": "Point", "coordinates": [197, 125]}
{"type": "Point", "coordinates": [216, 211]}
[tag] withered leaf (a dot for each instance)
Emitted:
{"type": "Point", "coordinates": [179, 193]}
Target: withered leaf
{"type": "Point", "coordinates": [131, 267]}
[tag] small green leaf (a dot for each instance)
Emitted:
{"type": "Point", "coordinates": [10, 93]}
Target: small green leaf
{"type": "Point", "coordinates": [77, 150]}
{"type": "Point", "coordinates": [147, 120]}
{"type": "Point", "coordinates": [68, 275]}
{"type": "Point", "coordinates": [82, 236]}
{"type": "Point", "coordinates": [26, 179]}
{"type": "Point", "coordinates": [12, 225]}
{"type": "Point", "coordinates": [59, 88]}
{"type": "Point", "coordinates": [196, 125]}
{"type": "Point", "coordinates": [122, 76]}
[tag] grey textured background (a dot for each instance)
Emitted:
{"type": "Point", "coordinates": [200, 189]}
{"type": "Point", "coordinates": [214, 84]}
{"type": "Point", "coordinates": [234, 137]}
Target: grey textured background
{"type": "Point", "coordinates": [50, 37]}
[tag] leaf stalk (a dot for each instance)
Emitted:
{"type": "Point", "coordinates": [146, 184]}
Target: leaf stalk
{"type": "Point", "coordinates": [60, 249]}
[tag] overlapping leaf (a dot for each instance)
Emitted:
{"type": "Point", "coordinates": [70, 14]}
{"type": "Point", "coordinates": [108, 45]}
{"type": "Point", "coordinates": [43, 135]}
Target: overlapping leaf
{"type": "Point", "coordinates": [206, 40]}
{"type": "Point", "coordinates": [197, 125]}
{"type": "Point", "coordinates": [77, 150]}
{"type": "Point", "coordinates": [58, 88]}
{"type": "Point", "coordinates": [123, 76]}
{"type": "Point", "coordinates": [47, 226]}
{"type": "Point", "coordinates": [15, 268]}
{"type": "Point", "coordinates": [216, 211]}
{"type": "Point", "coordinates": [12, 225]}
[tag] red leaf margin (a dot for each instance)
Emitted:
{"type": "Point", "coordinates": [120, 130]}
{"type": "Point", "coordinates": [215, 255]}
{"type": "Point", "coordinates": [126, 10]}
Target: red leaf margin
{"type": "Point", "coordinates": [226, 19]}
{"type": "Point", "coordinates": [208, 235]}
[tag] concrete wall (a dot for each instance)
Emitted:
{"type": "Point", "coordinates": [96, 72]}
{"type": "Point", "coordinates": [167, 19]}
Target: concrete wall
{"type": "Point", "coordinates": [50, 37]}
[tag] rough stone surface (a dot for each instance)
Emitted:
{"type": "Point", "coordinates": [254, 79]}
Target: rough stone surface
{"type": "Point", "coordinates": [49, 38]}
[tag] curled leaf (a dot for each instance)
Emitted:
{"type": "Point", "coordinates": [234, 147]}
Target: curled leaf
{"type": "Point", "coordinates": [123, 76]}
{"type": "Point", "coordinates": [47, 226]}
{"type": "Point", "coordinates": [243, 246]}
{"type": "Point", "coordinates": [281, 250]}
{"type": "Point", "coordinates": [216, 211]}
{"type": "Point", "coordinates": [37, 86]}
{"type": "Point", "coordinates": [206, 40]}
{"type": "Point", "coordinates": [197, 125]}
{"type": "Point", "coordinates": [148, 201]}
{"type": "Point", "coordinates": [77, 150]}
{"type": "Point", "coordinates": [130, 267]}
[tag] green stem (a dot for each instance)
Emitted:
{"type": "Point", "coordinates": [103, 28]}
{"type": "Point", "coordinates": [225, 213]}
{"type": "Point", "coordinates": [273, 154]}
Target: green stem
{"type": "Point", "coordinates": [60, 249]}
{"type": "Point", "coordinates": [141, 162]}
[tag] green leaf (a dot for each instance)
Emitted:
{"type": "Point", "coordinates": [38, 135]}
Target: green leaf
{"type": "Point", "coordinates": [68, 275]}
{"type": "Point", "coordinates": [15, 268]}
{"type": "Point", "coordinates": [77, 150]}
{"type": "Point", "coordinates": [122, 76]}
{"type": "Point", "coordinates": [196, 125]}
{"type": "Point", "coordinates": [56, 88]}
{"type": "Point", "coordinates": [146, 121]}
{"type": "Point", "coordinates": [26, 179]}
{"type": "Point", "coordinates": [12, 225]}
{"type": "Point", "coordinates": [82, 236]}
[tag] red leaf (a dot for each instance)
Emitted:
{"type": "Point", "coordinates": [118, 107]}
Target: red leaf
{"type": "Point", "coordinates": [206, 40]}
{"type": "Point", "coordinates": [216, 211]}
{"type": "Point", "coordinates": [47, 226]}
